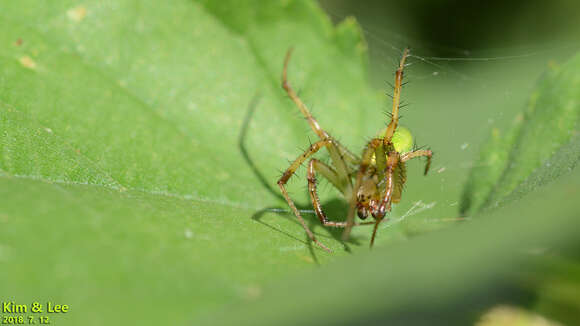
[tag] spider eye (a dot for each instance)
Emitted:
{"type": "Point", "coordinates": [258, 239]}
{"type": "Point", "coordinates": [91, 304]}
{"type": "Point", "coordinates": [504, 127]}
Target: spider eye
{"type": "Point", "coordinates": [362, 213]}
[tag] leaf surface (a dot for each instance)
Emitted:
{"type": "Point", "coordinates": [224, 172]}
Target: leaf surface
{"type": "Point", "coordinates": [140, 142]}
{"type": "Point", "coordinates": [541, 145]}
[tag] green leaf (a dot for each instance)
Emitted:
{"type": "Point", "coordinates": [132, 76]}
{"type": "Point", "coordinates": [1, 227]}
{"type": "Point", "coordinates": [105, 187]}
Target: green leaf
{"type": "Point", "coordinates": [541, 145]}
{"type": "Point", "coordinates": [157, 104]}
{"type": "Point", "coordinates": [122, 185]}
{"type": "Point", "coordinates": [139, 142]}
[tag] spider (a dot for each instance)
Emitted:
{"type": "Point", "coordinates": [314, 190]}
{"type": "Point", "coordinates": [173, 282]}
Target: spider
{"type": "Point", "coordinates": [370, 183]}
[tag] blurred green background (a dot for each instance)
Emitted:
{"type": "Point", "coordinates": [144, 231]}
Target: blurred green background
{"type": "Point", "coordinates": [140, 143]}
{"type": "Point", "coordinates": [461, 33]}
{"type": "Point", "coordinates": [451, 26]}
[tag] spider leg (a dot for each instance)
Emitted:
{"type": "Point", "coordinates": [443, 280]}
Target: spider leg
{"type": "Point", "coordinates": [289, 173]}
{"type": "Point", "coordinates": [301, 106]}
{"type": "Point", "coordinates": [392, 161]}
{"type": "Point", "coordinates": [338, 153]}
{"type": "Point", "coordinates": [347, 155]}
{"type": "Point", "coordinates": [328, 172]}
{"type": "Point", "coordinates": [365, 162]}
{"type": "Point", "coordinates": [311, 121]}
{"type": "Point", "coordinates": [396, 98]}
{"type": "Point", "coordinates": [424, 152]}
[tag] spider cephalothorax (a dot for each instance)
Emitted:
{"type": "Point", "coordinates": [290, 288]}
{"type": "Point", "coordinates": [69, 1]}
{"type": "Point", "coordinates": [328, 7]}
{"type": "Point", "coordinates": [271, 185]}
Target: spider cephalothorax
{"type": "Point", "coordinates": [370, 183]}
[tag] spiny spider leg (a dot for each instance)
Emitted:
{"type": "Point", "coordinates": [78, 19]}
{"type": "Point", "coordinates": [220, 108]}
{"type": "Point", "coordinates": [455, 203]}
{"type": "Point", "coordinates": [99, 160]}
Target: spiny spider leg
{"type": "Point", "coordinates": [388, 196]}
{"type": "Point", "coordinates": [338, 153]}
{"type": "Point", "coordinates": [374, 144]}
{"type": "Point", "coordinates": [392, 161]}
{"type": "Point", "coordinates": [396, 98]}
{"type": "Point", "coordinates": [347, 155]}
{"type": "Point", "coordinates": [301, 106]}
{"type": "Point", "coordinates": [424, 152]}
{"type": "Point", "coordinates": [322, 134]}
{"type": "Point", "coordinates": [365, 162]}
{"type": "Point", "coordinates": [289, 172]}
{"type": "Point", "coordinates": [328, 172]}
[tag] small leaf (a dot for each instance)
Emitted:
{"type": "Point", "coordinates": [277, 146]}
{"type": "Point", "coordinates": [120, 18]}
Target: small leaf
{"type": "Point", "coordinates": [541, 145]}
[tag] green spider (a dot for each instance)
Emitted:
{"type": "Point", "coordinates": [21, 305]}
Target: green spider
{"type": "Point", "coordinates": [370, 183]}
